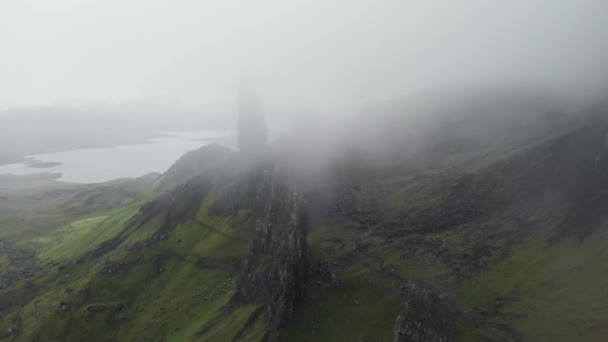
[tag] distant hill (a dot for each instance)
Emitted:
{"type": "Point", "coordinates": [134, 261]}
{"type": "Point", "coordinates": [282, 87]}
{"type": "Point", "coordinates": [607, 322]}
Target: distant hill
{"type": "Point", "coordinates": [33, 130]}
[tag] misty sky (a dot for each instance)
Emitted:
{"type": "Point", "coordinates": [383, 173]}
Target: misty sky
{"type": "Point", "coordinates": [304, 52]}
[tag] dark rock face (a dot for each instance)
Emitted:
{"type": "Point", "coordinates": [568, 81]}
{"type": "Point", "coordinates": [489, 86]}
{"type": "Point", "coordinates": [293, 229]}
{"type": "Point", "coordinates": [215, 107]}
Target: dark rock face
{"type": "Point", "coordinates": [116, 306]}
{"type": "Point", "coordinates": [23, 262]}
{"type": "Point", "coordinates": [274, 271]}
{"type": "Point", "coordinates": [425, 317]}
{"type": "Point", "coordinates": [241, 190]}
{"type": "Point", "coordinates": [194, 163]}
{"type": "Point", "coordinates": [175, 206]}
{"type": "Point", "coordinates": [62, 306]}
{"type": "Point", "coordinates": [96, 308]}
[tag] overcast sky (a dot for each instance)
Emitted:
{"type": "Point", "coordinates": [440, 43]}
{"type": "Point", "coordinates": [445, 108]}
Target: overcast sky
{"type": "Point", "coordinates": [299, 52]}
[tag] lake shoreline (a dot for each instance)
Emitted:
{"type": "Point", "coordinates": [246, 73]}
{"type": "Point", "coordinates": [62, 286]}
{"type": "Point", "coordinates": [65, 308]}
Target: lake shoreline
{"type": "Point", "coordinates": [24, 157]}
{"type": "Point", "coordinates": [102, 164]}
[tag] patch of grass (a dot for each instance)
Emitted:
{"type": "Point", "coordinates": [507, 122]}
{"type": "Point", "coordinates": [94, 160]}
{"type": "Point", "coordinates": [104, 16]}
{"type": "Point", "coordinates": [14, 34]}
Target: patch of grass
{"type": "Point", "coordinates": [364, 308]}
{"type": "Point", "coordinates": [555, 293]}
{"type": "Point", "coordinates": [20, 225]}
{"type": "Point", "coordinates": [4, 262]}
{"type": "Point", "coordinates": [170, 288]}
{"type": "Point", "coordinates": [172, 304]}
{"type": "Point", "coordinates": [238, 323]}
{"type": "Point", "coordinates": [365, 304]}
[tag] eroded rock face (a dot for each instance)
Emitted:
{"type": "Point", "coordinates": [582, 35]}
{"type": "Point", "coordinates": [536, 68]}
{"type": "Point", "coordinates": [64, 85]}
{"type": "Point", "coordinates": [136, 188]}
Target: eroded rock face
{"type": "Point", "coordinates": [241, 190]}
{"type": "Point", "coordinates": [274, 270]}
{"type": "Point", "coordinates": [425, 317]}
{"type": "Point", "coordinates": [194, 163]}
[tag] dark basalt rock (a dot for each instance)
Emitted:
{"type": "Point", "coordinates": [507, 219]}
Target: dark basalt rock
{"type": "Point", "coordinates": [116, 306]}
{"type": "Point", "coordinates": [96, 308]}
{"type": "Point", "coordinates": [241, 190]}
{"type": "Point", "coordinates": [425, 317]}
{"type": "Point", "coordinates": [111, 267]}
{"type": "Point", "coordinates": [23, 262]}
{"type": "Point", "coordinates": [62, 306]}
{"type": "Point", "coordinates": [194, 163]}
{"type": "Point", "coordinates": [274, 271]}
{"type": "Point", "coordinates": [175, 206]}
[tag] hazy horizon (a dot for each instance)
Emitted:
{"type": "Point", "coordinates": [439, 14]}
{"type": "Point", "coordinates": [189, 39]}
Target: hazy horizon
{"type": "Point", "coordinates": [318, 55]}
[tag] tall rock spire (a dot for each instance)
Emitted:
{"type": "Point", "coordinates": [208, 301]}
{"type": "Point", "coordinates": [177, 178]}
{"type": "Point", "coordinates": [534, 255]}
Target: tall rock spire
{"type": "Point", "coordinates": [251, 121]}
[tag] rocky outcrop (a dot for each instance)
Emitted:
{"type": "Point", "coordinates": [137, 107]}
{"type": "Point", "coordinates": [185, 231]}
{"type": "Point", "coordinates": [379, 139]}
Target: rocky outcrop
{"type": "Point", "coordinates": [425, 317]}
{"type": "Point", "coordinates": [194, 163]}
{"type": "Point", "coordinates": [173, 207]}
{"type": "Point", "coordinates": [274, 270]}
{"type": "Point", "coordinates": [18, 263]}
{"type": "Point", "coordinates": [241, 190]}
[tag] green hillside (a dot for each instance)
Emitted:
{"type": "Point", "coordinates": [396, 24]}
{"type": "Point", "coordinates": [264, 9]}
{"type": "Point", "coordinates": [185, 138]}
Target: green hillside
{"type": "Point", "coordinates": [505, 244]}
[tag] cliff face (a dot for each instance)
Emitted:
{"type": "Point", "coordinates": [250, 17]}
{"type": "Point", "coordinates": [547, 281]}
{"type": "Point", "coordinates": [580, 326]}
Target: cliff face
{"type": "Point", "coordinates": [251, 250]}
{"type": "Point", "coordinates": [425, 317]}
{"type": "Point", "coordinates": [274, 270]}
{"type": "Point", "coordinates": [194, 163]}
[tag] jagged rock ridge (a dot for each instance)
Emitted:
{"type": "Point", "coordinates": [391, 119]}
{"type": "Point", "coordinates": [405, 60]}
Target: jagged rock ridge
{"type": "Point", "coordinates": [274, 271]}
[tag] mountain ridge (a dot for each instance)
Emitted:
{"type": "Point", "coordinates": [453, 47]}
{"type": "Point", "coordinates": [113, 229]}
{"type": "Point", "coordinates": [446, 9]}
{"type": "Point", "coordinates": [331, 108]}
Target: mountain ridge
{"type": "Point", "coordinates": [477, 246]}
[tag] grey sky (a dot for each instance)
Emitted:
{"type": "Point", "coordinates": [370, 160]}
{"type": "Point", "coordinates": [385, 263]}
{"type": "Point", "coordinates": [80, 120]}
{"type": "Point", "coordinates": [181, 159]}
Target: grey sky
{"type": "Point", "coordinates": [304, 52]}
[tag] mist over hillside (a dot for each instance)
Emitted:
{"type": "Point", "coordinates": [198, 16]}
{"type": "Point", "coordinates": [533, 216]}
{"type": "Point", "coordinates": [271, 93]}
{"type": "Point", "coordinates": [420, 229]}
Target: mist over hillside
{"type": "Point", "coordinates": [341, 170]}
{"type": "Point", "coordinates": [34, 130]}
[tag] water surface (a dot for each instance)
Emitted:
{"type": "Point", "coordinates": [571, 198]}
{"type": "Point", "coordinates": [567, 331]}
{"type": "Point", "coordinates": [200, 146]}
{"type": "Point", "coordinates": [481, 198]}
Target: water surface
{"type": "Point", "coordinates": [95, 165]}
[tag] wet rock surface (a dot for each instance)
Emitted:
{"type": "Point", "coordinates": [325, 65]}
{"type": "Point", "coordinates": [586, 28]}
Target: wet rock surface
{"type": "Point", "coordinates": [425, 317]}
{"type": "Point", "coordinates": [193, 163]}
{"type": "Point", "coordinates": [96, 308]}
{"type": "Point", "coordinates": [19, 264]}
{"type": "Point", "coordinates": [273, 273]}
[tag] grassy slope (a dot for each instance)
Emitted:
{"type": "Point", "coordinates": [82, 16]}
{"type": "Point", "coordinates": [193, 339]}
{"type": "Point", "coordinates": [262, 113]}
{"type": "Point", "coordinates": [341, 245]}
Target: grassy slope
{"type": "Point", "coordinates": [539, 289]}
{"type": "Point", "coordinates": [178, 285]}
{"type": "Point", "coordinates": [355, 311]}
{"type": "Point", "coordinates": [555, 292]}
{"type": "Point", "coordinates": [170, 289]}
{"type": "Point", "coordinates": [30, 209]}
{"type": "Point", "coordinates": [173, 287]}
{"type": "Point", "coordinates": [520, 287]}
{"type": "Point", "coordinates": [365, 303]}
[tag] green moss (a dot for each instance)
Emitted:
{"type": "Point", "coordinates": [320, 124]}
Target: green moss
{"type": "Point", "coordinates": [4, 262]}
{"type": "Point", "coordinates": [244, 322]}
{"type": "Point", "coordinates": [364, 308]}
{"type": "Point", "coordinates": [172, 304]}
{"type": "Point", "coordinates": [80, 236]}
